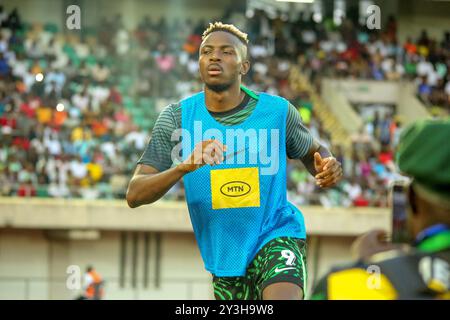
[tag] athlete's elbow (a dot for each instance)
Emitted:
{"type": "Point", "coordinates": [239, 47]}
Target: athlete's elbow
{"type": "Point", "coordinates": [131, 204]}
{"type": "Point", "coordinates": [134, 200]}
{"type": "Point", "coordinates": [131, 200]}
{"type": "Point", "coordinates": [132, 197]}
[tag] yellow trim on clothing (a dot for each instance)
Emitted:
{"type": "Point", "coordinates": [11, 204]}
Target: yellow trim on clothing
{"type": "Point", "coordinates": [358, 284]}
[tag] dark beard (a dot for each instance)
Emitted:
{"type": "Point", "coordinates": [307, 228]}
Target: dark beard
{"type": "Point", "coordinates": [219, 87]}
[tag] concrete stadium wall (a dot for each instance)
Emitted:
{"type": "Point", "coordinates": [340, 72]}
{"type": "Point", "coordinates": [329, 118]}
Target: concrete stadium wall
{"type": "Point", "coordinates": [134, 11]}
{"type": "Point", "coordinates": [409, 106]}
{"type": "Point", "coordinates": [40, 238]}
{"type": "Point", "coordinates": [366, 91]}
{"type": "Point", "coordinates": [34, 266]}
{"type": "Point", "coordinates": [54, 11]}
{"type": "Point", "coordinates": [340, 93]}
{"type": "Point", "coordinates": [336, 99]}
{"type": "Point", "coordinates": [412, 15]}
{"type": "Point", "coordinates": [416, 15]}
{"type": "Point", "coordinates": [42, 11]}
{"type": "Point", "coordinates": [163, 216]}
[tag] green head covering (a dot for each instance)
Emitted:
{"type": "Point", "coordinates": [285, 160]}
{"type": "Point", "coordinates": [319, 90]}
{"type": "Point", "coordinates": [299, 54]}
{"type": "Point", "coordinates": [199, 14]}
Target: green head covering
{"type": "Point", "coordinates": [424, 154]}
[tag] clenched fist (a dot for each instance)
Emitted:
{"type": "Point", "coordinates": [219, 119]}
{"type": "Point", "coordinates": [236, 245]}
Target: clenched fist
{"type": "Point", "coordinates": [205, 152]}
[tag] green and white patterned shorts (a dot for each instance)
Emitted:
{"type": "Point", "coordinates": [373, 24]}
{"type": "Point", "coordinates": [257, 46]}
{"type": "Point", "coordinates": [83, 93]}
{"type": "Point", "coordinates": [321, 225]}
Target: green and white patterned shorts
{"type": "Point", "coordinates": [280, 260]}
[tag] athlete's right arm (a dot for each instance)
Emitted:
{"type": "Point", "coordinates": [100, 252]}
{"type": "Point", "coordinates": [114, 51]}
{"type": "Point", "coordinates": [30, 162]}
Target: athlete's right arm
{"type": "Point", "coordinates": [155, 173]}
{"type": "Point", "coordinates": [148, 184]}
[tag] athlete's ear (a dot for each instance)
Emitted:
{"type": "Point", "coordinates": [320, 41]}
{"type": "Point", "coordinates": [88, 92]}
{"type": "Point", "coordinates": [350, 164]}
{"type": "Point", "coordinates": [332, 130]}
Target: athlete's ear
{"type": "Point", "coordinates": [245, 67]}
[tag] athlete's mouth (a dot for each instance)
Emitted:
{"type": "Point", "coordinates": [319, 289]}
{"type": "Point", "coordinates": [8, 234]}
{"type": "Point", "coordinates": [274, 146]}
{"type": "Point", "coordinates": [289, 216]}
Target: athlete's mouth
{"type": "Point", "coordinates": [214, 69]}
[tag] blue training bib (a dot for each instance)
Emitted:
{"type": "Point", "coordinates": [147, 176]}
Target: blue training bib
{"type": "Point", "coordinates": [240, 205]}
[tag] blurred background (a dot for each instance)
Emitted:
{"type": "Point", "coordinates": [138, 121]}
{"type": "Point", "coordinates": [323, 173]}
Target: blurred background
{"type": "Point", "coordinates": [77, 107]}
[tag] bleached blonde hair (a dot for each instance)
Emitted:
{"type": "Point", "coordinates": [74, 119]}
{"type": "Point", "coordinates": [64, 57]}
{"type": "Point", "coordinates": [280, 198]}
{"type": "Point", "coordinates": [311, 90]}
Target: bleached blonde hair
{"type": "Point", "coordinates": [230, 28]}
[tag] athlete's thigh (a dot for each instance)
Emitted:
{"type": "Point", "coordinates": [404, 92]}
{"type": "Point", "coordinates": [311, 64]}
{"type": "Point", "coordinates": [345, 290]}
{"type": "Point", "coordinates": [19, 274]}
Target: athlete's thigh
{"type": "Point", "coordinates": [231, 288]}
{"type": "Point", "coordinates": [281, 260]}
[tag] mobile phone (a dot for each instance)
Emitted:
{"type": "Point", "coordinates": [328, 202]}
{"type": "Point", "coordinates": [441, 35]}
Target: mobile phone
{"type": "Point", "coordinates": [400, 233]}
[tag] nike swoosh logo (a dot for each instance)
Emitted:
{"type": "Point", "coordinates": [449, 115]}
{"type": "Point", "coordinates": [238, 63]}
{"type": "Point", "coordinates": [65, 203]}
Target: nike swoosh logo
{"type": "Point", "coordinates": [283, 269]}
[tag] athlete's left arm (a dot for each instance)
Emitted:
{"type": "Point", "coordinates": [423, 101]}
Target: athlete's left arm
{"type": "Point", "coordinates": [322, 165]}
{"type": "Point", "coordinates": [318, 160]}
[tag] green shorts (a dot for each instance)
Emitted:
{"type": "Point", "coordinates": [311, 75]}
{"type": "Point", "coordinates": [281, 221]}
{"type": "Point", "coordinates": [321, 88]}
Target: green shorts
{"type": "Point", "coordinates": [280, 260]}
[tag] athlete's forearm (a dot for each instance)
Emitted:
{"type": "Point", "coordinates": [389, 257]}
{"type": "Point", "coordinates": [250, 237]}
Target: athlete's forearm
{"type": "Point", "coordinates": [148, 188]}
{"type": "Point", "coordinates": [308, 160]}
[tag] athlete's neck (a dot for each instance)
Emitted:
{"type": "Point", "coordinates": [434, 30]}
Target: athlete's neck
{"type": "Point", "coordinates": [225, 100]}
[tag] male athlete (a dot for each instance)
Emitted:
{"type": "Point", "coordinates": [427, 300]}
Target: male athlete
{"type": "Point", "coordinates": [234, 144]}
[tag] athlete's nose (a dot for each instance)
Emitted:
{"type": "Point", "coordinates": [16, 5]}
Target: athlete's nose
{"type": "Point", "coordinates": [215, 55]}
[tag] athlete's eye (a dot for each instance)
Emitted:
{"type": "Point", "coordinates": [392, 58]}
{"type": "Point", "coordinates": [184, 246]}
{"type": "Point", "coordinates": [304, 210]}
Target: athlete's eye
{"type": "Point", "coordinates": [228, 52]}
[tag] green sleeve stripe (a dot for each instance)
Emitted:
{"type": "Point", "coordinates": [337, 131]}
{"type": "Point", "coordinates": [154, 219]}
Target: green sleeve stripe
{"type": "Point", "coordinates": [176, 107]}
{"type": "Point", "coordinates": [166, 121]}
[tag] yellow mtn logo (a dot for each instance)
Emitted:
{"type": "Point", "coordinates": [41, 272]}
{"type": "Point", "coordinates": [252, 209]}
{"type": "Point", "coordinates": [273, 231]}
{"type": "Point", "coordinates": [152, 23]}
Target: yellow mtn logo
{"type": "Point", "coordinates": [235, 189]}
{"type": "Point", "coordinates": [228, 189]}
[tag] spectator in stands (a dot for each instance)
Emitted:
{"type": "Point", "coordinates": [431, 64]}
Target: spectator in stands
{"type": "Point", "coordinates": [100, 73]}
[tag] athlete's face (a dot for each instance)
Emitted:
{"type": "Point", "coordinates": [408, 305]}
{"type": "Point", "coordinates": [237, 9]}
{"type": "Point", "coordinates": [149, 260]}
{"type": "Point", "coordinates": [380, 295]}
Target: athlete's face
{"type": "Point", "coordinates": [222, 60]}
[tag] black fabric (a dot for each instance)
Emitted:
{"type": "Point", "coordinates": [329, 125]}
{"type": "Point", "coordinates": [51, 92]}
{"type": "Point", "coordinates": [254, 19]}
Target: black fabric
{"type": "Point", "coordinates": [236, 109]}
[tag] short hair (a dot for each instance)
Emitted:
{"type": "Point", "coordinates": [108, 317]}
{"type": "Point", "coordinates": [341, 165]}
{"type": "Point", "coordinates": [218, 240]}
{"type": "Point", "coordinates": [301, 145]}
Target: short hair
{"type": "Point", "coordinates": [230, 28]}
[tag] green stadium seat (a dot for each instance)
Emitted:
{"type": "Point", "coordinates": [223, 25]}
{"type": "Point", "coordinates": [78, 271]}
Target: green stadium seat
{"type": "Point", "coordinates": [26, 27]}
{"type": "Point", "coordinates": [109, 61]}
{"type": "Point", "coordinates": [51, 27]}
{"type": "Point", "coordinates": [43, 63]}
{"type": "Point", "coordinates": [137, 113]}
{"type": "Point", "coordinates": [145, 123]}
{"type": "Point", "coordinates": [123, 90]}
{"type": "Point", "coordinates": [128, 103]}
{"type": "Point", "coordinates": [125, 80]}
{"type": "Point", "coordinates": [42, 191]}
{"type": "Point", "coordinates": [147, 103]}
{"type": "Point", "coordinates": [91, 60]}
{"type": "Point", "coordinates": [68, 49]}
{"type": "Point", "coordinates": [75, 87]}
{"type": "Point", "coordinates": [410, 68]}
{"type": "Point", "coordinates": [88, 31]}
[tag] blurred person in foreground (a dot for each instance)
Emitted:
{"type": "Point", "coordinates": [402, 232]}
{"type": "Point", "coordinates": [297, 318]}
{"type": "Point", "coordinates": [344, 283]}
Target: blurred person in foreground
{"type": "Point", "coordinates": [419, 270]}
{"type": "Point", "coordinates": [252, 240]}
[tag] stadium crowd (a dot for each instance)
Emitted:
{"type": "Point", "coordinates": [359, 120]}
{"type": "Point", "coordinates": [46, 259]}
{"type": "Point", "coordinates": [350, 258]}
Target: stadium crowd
{"type": "Point", "coordinates": [77, 108]}
{"type": "Point", "coordinates": [354, 52]}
